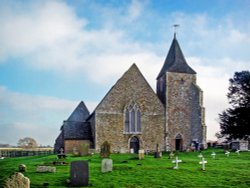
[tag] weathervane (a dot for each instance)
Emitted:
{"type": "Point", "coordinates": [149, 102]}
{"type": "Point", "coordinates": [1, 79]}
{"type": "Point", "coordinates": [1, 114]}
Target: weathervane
{"type": "Point", "coordinates": [175, 29]}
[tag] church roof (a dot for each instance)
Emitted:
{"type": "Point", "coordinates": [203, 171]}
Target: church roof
{"type": "Point", "coordinates": [80, 113]}
{"type": "Point", "coordinates": [175, 61]}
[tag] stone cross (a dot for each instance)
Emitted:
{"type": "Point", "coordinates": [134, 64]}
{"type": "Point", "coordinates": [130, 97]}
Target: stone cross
{"type": "Point", "coordinates": [227, 153]}
{"type": "Point", "coordinates": [237, 151]}
{"type": "Point", "coordinates": [61, 151]}
{"type": "Point", "coordinates": [213, 155]}
{"type": "Point", "coordinates": [107, 165]}
{"type": "Point", "coordinates": [203, 162]}
{"type": "Point", "coordinates": [200, 155]}
{"type": "Point", "coordinates": [176, 162]}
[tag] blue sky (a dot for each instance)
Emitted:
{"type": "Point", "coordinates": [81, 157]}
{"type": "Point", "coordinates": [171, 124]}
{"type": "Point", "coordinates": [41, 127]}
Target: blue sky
{"type": "Point", "coordinates": [53, 54]}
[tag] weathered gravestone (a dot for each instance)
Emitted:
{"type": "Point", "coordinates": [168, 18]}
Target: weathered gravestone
{"type": "Point", "coordinates": [200, 155]}
{"type": "Point", "coordinates": [22, 168]}
{"type": "Point", "coordinates": [132, 151]}
{"type": "Point", "coordinates": [18, 180]}
{"type": "Point", "coordinates": [46, 169]}
{"type": "Point", "coordinates": [141, 154]}
{"type": "Point", "coordinates": [171, 155]}
{"type": "Point", "coordinates": [237, 151]}
{"type": "Point", "coordinates": [157, 153]}
{"type": "Point", "coordinates": [84, 149]}
{"type": "Point", "coordinates": [79, 173]}
{"type": "Point", "coordinates": [227, 153]}
{"type": "Point", "coordinates": [107, 165]}
{"type": "Point", "coordinates": [105, 150]}
{"type": "Point", "coordinates": [203, 162]}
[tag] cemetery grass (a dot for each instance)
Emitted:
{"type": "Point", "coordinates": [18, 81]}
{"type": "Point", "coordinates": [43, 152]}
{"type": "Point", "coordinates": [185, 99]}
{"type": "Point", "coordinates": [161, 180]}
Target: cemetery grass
{"type": "Point", "coordinates": [129, 172]}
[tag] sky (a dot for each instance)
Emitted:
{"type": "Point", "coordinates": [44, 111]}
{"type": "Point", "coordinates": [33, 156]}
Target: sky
{"type": "Point", "coordinates": [56, 53]}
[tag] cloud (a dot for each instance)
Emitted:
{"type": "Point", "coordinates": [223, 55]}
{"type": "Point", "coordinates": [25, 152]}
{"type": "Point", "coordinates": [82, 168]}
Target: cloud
{"type": "Point", "coordinates": [39, 117]}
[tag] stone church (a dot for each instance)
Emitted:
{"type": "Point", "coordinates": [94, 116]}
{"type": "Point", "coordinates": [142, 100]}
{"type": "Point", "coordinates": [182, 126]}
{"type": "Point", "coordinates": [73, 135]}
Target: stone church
{"type": "Point", "coordinates": [132, 115]}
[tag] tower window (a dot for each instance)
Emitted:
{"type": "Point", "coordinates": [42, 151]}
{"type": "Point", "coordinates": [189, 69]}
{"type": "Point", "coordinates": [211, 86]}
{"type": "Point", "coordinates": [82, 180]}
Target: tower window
{"type": "Point", "coordinates": [132, 119]}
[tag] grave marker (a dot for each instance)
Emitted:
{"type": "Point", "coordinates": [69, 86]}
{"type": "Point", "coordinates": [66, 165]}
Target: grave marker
{"type": "Point", "coordinates": [132, 151]}
{"type": "Point", "coordinates": [141, 154]}
{"type": "Point", "coordinates": [158, 153]}
{"type": "Point", "coordinates": [79, 173]}
{"type": "Point", "coordinates": [107, 165]}
{"type": "Point", "coordinates": [203, 162]}
{"type": "Point", "coordinates": [227, 153]}
{"type": "Point", "coordinates": [18, 180]}
{"type": "Point", "coordinates": [171, 155]}
{"type": "Point", "coordinates": [213, 155]}
{"type": "Point", "coordinates": [105, 150]}
{"type": "Point", "coordinates": [237, 151]}
{"type": "Point", "coordinates": [176, 161]}
{"type": "Point", "coordinates": [200, 155]}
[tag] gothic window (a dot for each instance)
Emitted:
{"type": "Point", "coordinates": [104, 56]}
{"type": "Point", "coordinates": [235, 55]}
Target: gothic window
{"type": "Point", "coordinates": [132, 119]}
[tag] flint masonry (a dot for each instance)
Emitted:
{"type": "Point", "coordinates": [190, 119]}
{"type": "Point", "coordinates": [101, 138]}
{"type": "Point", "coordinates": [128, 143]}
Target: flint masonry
{"type": "Point", "coordinates": [132, 115]}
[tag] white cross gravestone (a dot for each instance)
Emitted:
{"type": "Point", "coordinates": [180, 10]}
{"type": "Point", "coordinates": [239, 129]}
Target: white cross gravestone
{"type": "Point", "coordinates": [227, 153]}
{"type": "Point", "coordinates": [213, 155]}
{"type": "Point", "coordinates": [200, 155]}
{"type": "Point", "coordinates": [203, 162]}
{"type": "Point", "coordinates": [237, 151]}
{"type": "Point", "coordinates": [176, 161]}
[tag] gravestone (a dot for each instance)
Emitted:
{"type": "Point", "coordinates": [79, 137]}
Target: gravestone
{"type": "Point", "coordinates": [18, 180]}
{"type": "Point", "coordinates": [203, 162]}
{"type": "Point", "coordinates": [213, 155]}
{"type": "Point", "coordinates": [227, 153]}
{"type": "Point", "coordinates": [171, 155]}
{"type": "Point", "coordinates": [176, 161]}
{"type": "Point", "coordinates": [79, 173]}
{"type": "Point", "coordinates": [237, 151]}
{"type": "Point", "coordinates": [122, 150]}
{"type": "Point", "coordinates": [157, 153]}
{"type": "Point", "coordinates": [107, 165]}
{"type": "Point", "coordinates": [22, 168]}
{"type": "Point", "coordinates": [132, 151]}
{"type": "Point", "coordinates": [84, 149]}
{"type": "Point", "coordinates": [105, 150]}
{"type": "Point", "coordinates": [141, 154]}
{"type": "Point", "coordinates": [200, 155]}
{"type": "Point", "coordinates": [46, 169]}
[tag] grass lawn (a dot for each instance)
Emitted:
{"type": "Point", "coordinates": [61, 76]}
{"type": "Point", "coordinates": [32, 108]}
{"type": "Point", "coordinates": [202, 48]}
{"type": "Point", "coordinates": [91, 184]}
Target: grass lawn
{"type": "Point", "coordinates": [232, 171]}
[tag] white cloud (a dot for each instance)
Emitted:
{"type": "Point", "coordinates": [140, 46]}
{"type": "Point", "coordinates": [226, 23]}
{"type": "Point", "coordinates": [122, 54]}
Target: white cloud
{"type": "Point", "coordinates": [35, 116]}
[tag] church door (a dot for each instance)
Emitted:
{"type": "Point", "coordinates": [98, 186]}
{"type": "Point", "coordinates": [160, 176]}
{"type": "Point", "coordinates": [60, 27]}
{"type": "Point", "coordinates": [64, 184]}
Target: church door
{"type": "Point", "coordinates": [178, 142]}
{"type": "Point", "coordinates": [135, 144]}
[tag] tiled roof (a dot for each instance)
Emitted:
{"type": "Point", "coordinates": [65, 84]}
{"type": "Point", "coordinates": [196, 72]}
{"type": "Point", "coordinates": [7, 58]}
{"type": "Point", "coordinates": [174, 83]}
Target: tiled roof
{"type": "Point", "coordinates": [80, 113]}
{"type": "Point", "coordinates": [175, 61]}
{"type": "Point", "coordinates": [77, 130]}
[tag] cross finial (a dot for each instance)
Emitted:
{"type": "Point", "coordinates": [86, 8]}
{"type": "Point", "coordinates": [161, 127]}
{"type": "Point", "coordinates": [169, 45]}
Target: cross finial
{"type": "Point", "coordinates": [175, 29]}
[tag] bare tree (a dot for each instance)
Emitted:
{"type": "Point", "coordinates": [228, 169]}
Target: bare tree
{"type": "Point", "coordinates": [27, 142]}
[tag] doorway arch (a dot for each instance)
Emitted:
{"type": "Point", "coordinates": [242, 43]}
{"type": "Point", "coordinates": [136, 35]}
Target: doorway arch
{"type": "Point", "coordinates": [178, 142]}
{"type": "Point", "coordinates": [134, 144]}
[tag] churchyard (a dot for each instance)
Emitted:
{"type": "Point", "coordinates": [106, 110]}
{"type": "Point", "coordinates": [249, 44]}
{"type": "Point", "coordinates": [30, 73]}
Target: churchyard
{"type": "Point", "coordinates": [126, 170]}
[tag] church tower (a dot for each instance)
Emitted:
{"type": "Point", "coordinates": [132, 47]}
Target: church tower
{"type": "Point", "coordinates": [183, 102]}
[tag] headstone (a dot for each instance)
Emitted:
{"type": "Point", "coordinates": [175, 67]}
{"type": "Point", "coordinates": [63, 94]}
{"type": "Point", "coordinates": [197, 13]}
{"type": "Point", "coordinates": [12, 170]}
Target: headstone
{"type": "Point", "coordinates": [105, 150]}
{"type": "Point", "coordinates": [227, 153]}
{"type": "Point", "coordinates": [141, 154]}
{"type": "Point", "coordinates": [1, 157]}
{"type": "Point", "coordinates": [122, 150]}
{"type": "Point", "coordinates": [79, 173]}
{"type": "Point", "coordinates": [176, 161]}
{"type": "Point", "coordinates": [61, 151]}
{"type": "Point", "coordinates": [18, 180]}
{"type": "Point", "coordinates": [157, 153]}
{"type": "Point", "coordinates": [84, 149]}
{"type": "Point", "coordinates": [46, 169]}
{"type": "Point", "coordinates": [22, 168]}
{"type": "Point", "coordinates": [203, 162]}
{"type": "Point", "coordinates": [171, 155]}
{"type": "Point", "coordinates": [213, 155]}
{"type": "Point", "coordinates": [132, 150]}
{"type": "Point", "coordinates": [200, 155]}
{"type": "Point", "coordinates": [237, 151]}
{"type": "Point", "coordinates": [107, 165]}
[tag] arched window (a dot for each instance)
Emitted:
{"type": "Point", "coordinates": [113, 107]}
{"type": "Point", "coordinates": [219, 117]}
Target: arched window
{"type": "Point", "coordinates": [132, 119]}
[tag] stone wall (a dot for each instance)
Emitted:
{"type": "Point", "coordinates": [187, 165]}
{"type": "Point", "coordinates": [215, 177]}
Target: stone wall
{"type": "Point", "coordinates": [110, 119]}
{"type": "Point", "coordinates": [183, 109]}
{"type": "Point", "coordinates": [70, 145]}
